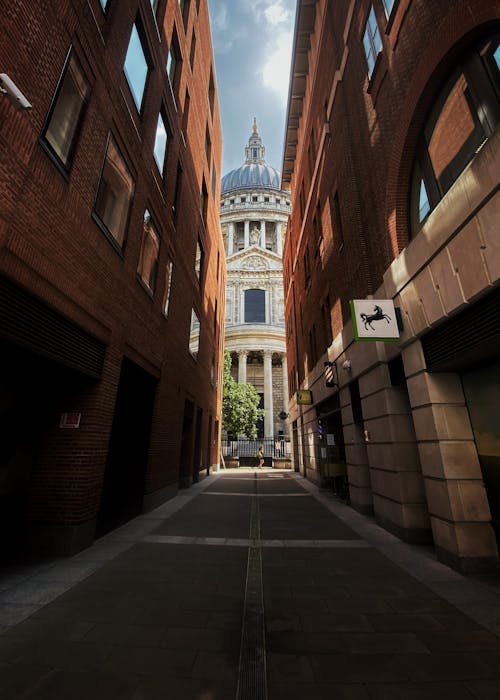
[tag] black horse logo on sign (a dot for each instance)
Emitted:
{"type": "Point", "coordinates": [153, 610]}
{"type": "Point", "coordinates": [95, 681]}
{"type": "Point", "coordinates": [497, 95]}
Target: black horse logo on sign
{"type": "Point", "coordinates": [377, 316]}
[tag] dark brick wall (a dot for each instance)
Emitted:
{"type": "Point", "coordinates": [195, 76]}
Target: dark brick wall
{"type": "Point", "coordinates": [50, 245]}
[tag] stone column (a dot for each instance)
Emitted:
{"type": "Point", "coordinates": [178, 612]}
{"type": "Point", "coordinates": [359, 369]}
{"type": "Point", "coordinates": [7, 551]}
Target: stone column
{"type": "Point", "coordinates": [262, 234]}
{"type": "Point", "coordinates": [230, 245]}
{"type": "Point", "coordinates": [242, 366]}
{"type": "Point", "coordinates": [268, 395]}
{"type": "Point", "coordinates": [458, 505]}
{"type": "Point", "coordinates": [247, 234]}
{"type": "Point", "coordinates": [284, 369]}
{"type": "Point", "coordinates": [279, 241]}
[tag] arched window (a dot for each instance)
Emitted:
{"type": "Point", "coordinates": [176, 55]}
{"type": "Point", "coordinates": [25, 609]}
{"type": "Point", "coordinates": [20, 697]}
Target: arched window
{"type": "Point", "coordinates": [255, 306]}
{"type": "Point", "coordinates": [465, 114]}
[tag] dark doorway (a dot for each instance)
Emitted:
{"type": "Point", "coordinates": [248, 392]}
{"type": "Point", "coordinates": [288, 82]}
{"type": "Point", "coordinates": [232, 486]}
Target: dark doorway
{"type": "Point", "coordinates": [197, 446]}
{"type": "Point", "coordinates": [260, 422]}
{"type": "Point", "coordinates": [32, 389]}
{"type": "Point", "coordinates": [125, 473]}
{"type": "Point", "coordinates": [186, 446]}
{"type": "Point", "coordinates": [482, 393]}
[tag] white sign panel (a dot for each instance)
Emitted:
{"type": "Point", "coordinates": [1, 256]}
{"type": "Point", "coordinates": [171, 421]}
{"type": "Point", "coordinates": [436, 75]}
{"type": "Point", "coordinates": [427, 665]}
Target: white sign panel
{"type": "Point", "coordinates": [374, 319]}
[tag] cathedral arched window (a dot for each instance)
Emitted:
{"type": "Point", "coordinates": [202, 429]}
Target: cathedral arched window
{"type": "Point", "coordinates": [255, 306]}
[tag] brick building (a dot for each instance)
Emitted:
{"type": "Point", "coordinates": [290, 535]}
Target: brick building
{"type": "Point", "coordinates": [392, 154]}
{"type": "Point", "coordinates": [110, 255]}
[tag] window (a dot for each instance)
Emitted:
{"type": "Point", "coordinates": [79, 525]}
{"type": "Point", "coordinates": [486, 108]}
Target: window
{"type": "Point", "coordinates": [185, 115]}
{"type": "Point", "coordinates": [336, 220]}
{"type": "Point", "coordinates": [192, 50]}
{"type": "Point", "coordinates": [66, 114]}
{"type": "Point", "coordinates": [114, 194]}
{"type": "Point", "coordinates": [161, 139]}
{"type": "Point", "coordinates": [177, 189]}
{"type": "Point", "coordinates": [204, 202]}
{"type": "Point", "coordinates": [194, 335]}
{"type": "Point", "coordinates": [266, 199]}
{"type": "Point", "coordinates": [150, 248]}
{"type": "Point", "coordinates": [388, 5]}
{"type": "Point", "coordinates": [208, 144]}
{"type": "Point", "coordinates": [255, 306]}
{"type": "Point", "coordinates": [184, 8]}
{"type": "Point", "coordinates": [465, 114]}
{"type": "Point", "coordinates": [243, 200]}
{"type": "Point", "coordinates": [173, 59]}
{"type": "Point", "coordinates": [307, 268]}
{"type": "Point", "coordinates": [136, 67]}
{"type": "Point", "coordinates": [169, 268]}
{"type": "Point", "coordinates": [371, 41]}
{"type": "Point", "coordinates": [198, 261]}
{"type": "Point", "coordinates": [211, 91]}
{"type": "Point", "coordinates": [214, 180]}
{"type": "Point", "coordinates": [254, 198]}
{"type": "Point", "coordinates": [327, 322]}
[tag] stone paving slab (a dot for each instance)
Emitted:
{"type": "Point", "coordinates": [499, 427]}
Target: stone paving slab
{"type": "Point", "coordinates": [155, 610]}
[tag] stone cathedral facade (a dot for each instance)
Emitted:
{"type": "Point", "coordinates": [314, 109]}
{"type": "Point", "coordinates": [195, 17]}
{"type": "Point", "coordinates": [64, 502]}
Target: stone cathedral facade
{"type": "Point", "coordinates": [254, 214]}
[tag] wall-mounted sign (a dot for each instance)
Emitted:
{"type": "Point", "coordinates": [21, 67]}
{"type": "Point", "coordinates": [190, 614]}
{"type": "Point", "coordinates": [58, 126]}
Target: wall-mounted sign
{"type": "Point", "coordinates": [374, 319]}
{"type": "Point", "coordinates": [304, 397]}
{"type": "Point", "coordinates": [70, 420]}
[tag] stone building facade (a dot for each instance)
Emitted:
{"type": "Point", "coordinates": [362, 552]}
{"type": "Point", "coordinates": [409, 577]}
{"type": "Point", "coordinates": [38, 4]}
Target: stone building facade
{"type": "Point", "coordinates": [254, 212]}
{"type": "Point", "coordinates": [392, 152]}
{"type": "Point", "coordinates": [107, 260]}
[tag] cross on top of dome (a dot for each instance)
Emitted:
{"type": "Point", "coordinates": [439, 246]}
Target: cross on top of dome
{"type": "Point", "coordinates": [255, 151]}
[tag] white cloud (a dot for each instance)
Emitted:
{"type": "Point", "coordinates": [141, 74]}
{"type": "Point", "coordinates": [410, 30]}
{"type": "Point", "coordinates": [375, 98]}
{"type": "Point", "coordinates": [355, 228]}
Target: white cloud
{"type": "Point", "coordinates": [276, 13]}
{"type": "Point", "coordinates": [276, 69]}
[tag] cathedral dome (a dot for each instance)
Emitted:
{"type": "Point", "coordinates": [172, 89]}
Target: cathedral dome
{"type": "Point", "coordinates": [251, 175]}
{"type": "Point", "coordinates": [254, 172]}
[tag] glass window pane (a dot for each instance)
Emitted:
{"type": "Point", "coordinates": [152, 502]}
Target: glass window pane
{"type": "Point", "coordinates": [423, 205]}
{"type": "Point", "coordinates": [194, 337]}
{"type": "Point", "coordinates": [150, 249]}
{"type": "Point", "coordinates": [136, 67]}
{"type": "Point", "coordinates": [67, 112]}
{"type": "Point", "coordinates": [496, 56]}
{"type": "Point", "coordinates": [171, 64]}
{"type": "Point", "coordinates": [255, 306]}
{"type": "Point", "coordinates": [160, 148]}
{"type": "Point", "coordinates": [388, 4]}
{"type": "Point", "coordinates": [455, 124]}
{"type": "Point", "coordinates": [168, 286]}
{"type": "Point", "coordinates": [115, 193]}
{"type": "Point", "coordinates": [198, 263]}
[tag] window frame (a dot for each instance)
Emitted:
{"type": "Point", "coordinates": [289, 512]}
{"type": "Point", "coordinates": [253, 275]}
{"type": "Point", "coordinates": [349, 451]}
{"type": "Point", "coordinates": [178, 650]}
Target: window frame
{"type": "Point", "coordinates": [262, 304]}
{"type": "Point", "coordinates": [149, 232]}
{"type": "Point", "coordinates": [141, 35]}
{"type": "Point", "coordinates": [162, 114]}
{"type": "Point", "coordinates": [65, 165]}
{"type": "Point", "coordinates": [371, 35]}
{"type": "Point", "coordinates": [483, 98]}
{"type": "Point", "coordinates": [117, 242]}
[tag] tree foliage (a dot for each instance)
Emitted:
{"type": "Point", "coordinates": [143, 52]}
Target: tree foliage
{"type": "Point", "coordinates": [240, 405]}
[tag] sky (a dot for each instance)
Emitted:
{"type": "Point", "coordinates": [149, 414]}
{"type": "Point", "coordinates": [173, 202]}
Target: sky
{"type": "Point", "coordinates": [252, 42]}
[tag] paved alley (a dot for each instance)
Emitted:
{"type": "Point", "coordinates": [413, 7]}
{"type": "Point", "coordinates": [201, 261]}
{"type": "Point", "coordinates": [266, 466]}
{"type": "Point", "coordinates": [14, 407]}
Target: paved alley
{"type": "Point", "coordinates": [249, 585]}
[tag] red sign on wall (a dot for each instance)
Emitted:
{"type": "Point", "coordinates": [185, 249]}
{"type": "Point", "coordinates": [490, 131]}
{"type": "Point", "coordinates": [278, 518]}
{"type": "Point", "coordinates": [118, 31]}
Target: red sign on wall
{"type": "Point", "coordinates": [70, 420]}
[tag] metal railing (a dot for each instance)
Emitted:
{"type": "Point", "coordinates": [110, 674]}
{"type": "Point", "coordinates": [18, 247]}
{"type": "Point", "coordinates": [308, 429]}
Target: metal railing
{"type": "Point", "coordinates": [277, 448]}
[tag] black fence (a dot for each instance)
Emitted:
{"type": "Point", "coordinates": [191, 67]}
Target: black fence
{"type": "Point", "coordinates": [277, 448]}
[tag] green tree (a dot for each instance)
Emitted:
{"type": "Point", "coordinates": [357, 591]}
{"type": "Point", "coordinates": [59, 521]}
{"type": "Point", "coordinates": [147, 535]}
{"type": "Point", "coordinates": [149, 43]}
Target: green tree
{"type": "Point", "coordinates": [240, 405]}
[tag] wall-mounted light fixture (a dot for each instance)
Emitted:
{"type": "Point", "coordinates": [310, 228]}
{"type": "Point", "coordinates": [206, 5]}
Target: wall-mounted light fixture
{"type": "Point", "coordinates": [346, 365]}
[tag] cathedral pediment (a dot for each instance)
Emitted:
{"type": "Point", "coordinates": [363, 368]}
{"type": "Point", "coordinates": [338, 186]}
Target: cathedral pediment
{"type": "Point", "coordinates": [254, 258]}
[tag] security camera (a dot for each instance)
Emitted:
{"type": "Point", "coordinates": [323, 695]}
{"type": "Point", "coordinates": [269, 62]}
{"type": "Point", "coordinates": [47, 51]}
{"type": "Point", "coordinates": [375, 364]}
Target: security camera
{"type": "Point", "coordinates": [13, 93]}
{"type": "Point", "coordinates": [346, 365]}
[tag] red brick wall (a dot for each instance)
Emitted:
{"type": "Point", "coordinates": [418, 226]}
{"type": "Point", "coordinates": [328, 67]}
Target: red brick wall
{"type": "Point", "coordinates": [367, 154]}
{"type": "Point", "coordinates": [50, 245]}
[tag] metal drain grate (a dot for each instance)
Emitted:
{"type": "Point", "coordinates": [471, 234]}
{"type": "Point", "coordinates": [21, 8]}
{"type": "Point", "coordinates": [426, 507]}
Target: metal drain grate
{"type": "Point", "coordinates": [252, 678]}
